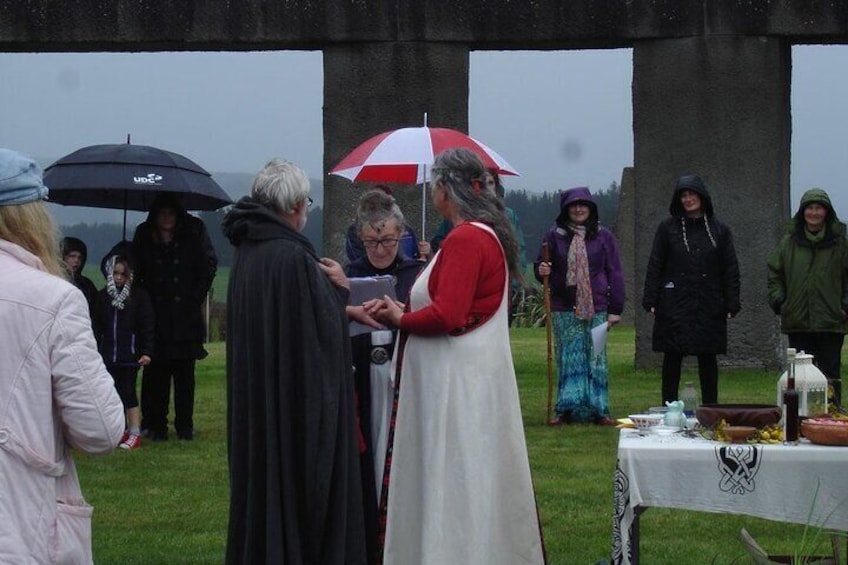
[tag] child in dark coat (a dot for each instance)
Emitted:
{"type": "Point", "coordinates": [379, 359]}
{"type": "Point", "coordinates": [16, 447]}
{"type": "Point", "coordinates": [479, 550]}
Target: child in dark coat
{"type": "Point", "coordinates": [124, 327]}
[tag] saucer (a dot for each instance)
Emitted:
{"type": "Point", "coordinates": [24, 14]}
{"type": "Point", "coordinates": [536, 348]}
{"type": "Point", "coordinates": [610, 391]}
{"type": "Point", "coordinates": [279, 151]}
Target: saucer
{"type": "Point", "coordinates": [664, 430]}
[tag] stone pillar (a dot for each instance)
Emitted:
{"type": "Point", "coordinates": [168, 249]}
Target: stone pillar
{"type": "Point", "coordinates": [718, 107]}
{"type": "Point", "coordinates": [370, 88]}
{"type": "Point", "coordinates": [625, 230]}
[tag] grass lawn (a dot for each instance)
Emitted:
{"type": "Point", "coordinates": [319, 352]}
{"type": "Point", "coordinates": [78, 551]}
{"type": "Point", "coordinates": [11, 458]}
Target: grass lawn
{"type": "Point", "coordinates": [166, 503]}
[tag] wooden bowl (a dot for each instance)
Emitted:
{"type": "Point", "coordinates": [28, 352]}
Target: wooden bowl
{"type": "Point", "coordinates": [756, 415]}
{"type": "Point", "coordinates": [825, 431]}
{"type": "Point", "coordinates": [739, 434]}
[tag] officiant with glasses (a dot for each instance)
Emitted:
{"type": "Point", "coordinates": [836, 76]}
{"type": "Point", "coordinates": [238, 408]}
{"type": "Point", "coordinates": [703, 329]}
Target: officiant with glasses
{"type": "Point", "coordinates": [409, 245]}
{"type": "Point", "coordinates": [379, 225]}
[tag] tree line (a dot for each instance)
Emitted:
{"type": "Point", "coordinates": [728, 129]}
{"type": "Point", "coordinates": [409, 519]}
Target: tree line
{"type": "Point", "coordinates": [100, 237]}
{"type": "Point", "coordinates": [536, 211]}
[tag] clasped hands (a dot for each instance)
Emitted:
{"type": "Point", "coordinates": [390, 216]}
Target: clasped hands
{"type": "Point", "coordinates": [377, 313]}
{"type": "Point", "coordinates": [385, 310]}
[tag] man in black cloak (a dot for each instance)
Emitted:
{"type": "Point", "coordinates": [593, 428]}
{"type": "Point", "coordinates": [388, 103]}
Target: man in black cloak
{"type": "Point", "coordinates": [293, 446]}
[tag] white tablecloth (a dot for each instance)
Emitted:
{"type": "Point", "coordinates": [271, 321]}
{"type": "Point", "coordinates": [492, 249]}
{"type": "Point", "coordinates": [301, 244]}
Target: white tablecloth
{"type": "Point", "coordinates": [777, 482]}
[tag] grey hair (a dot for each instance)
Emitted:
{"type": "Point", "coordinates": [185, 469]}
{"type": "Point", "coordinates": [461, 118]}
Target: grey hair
{"type": "Point", "coordinates": [461, 173]}
{"type": "Point", "coordinates": [375, 207]}
{"type": "Point", "coordinates": [280, 186]}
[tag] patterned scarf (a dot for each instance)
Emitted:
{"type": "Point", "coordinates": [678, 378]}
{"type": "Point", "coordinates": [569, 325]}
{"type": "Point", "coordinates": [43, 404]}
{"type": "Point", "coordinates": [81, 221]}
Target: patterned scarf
{"type": "Point", "coordinates": [578, 273]}
{"type": "Point", "coordinates": [118, 297]}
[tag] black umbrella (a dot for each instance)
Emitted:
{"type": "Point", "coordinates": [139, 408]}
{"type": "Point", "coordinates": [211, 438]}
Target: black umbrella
{"type": "Point", "coordinates": [128, 177]}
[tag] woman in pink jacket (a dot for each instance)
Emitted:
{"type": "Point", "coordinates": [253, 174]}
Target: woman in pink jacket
{"type": "Point", "coordinates": [55, 392]}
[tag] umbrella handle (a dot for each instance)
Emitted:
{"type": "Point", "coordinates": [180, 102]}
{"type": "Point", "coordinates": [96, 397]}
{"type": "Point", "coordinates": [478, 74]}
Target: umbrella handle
{"type": "Point", "coordinates": [424, 206]}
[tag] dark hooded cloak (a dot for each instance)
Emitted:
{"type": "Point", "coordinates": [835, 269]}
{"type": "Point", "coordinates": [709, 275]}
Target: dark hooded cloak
{"type": "Point", "coordinates": [692, 279]}
{"type": "Point", "coordinates": [292, 443]}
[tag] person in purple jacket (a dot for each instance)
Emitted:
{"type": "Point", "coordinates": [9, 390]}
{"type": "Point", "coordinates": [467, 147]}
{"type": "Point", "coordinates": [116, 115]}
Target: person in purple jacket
{"type": "Point", "coordinates": [587, 290]}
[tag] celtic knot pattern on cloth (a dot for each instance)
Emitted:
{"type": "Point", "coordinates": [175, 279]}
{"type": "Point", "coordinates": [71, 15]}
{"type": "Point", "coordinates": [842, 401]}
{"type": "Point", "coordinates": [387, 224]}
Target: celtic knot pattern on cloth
{"type": "Point", "coordinates": [621, 487]}
{"type": "Point", "coordinates": [738, 465]}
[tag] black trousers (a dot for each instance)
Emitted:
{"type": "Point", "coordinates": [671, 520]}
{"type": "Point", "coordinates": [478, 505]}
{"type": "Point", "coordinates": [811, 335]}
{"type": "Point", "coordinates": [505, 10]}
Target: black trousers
{"type": "Point", "coordinates": [826, 349]}
{"type": "Point", "coordinates": [125, 377]}
{"type": "Point", "coordinates": [707, 373]}
{"type": "Point", "coordinates": [156, 395]}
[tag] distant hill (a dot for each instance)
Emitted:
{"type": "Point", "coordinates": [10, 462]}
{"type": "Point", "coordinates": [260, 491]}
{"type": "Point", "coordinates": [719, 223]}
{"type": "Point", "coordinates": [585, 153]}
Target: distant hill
{"type": "Point", "coordinates": [100, 237]}
{"type": "Point", "coordinates": [101, 228]}
{"type": "Point", "coordinates": [234, 184]}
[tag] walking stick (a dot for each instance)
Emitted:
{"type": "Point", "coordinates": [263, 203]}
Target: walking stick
{"type": "Point", "coordinates": [546, 257]}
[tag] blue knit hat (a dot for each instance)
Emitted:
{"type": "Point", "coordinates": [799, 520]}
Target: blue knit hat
{"type": "Point", "coordinates": [20, 179]}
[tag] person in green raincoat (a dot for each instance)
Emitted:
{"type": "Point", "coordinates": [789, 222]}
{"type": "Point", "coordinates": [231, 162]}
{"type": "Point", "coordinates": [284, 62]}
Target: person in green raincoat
{"type": "Point", "coordinates": [808, 284]}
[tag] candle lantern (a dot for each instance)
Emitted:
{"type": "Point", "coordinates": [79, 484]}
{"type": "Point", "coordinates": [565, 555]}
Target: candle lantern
{"type": "Point", "coordinates": [811, 385]}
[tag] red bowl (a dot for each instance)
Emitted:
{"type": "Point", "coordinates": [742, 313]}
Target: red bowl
{"type": "Point", "coordinates": [756, 415]}
{"type": "Point", "coordinates": [825, 431]}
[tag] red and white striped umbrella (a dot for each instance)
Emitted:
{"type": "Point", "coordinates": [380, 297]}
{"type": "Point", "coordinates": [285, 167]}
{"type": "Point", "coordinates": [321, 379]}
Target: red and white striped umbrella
{"type": "Point", "coordinates": [405, 155]}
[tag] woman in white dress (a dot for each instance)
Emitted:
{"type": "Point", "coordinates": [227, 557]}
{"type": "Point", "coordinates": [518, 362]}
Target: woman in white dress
{"type": "Point", "coordinates": [457, 487]}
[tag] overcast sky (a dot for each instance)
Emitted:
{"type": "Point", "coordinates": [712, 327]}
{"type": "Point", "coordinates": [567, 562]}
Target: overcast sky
{"type": "Point", "coordinates": [561, 118]}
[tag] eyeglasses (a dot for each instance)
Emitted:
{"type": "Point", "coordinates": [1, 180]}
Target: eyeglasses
{"type": "Point", "coordinates": [309, 202]}
{"type": "Point", "coordinates": [386, 243]}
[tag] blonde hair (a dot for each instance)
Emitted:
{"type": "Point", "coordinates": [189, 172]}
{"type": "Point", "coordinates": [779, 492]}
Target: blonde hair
{"type": "Point", "coordinates": [32, 227]}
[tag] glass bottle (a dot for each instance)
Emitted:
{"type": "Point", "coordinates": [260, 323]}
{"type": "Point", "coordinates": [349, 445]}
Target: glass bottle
{"type": "Point", "coordinates": [790, 402]}
{"type": "Point", "coordinates": [689, 396]}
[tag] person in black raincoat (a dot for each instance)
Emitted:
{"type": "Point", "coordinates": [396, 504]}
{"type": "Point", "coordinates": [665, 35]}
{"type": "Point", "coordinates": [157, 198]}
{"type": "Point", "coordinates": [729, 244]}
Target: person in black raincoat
{"type": "Point", "coordinates": [295, 492]}
{"type": "Point", "coordinates": [176, 264]}
{"type": "Point", "coordinates": [691, 287]}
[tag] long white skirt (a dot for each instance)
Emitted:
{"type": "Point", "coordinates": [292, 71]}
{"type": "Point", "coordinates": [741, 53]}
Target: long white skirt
{"type": "Point", "coordinates": [460, 490]}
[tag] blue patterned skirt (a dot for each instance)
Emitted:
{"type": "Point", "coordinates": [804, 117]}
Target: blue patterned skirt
{"type": "Point", "coordinates": [582, 391]}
